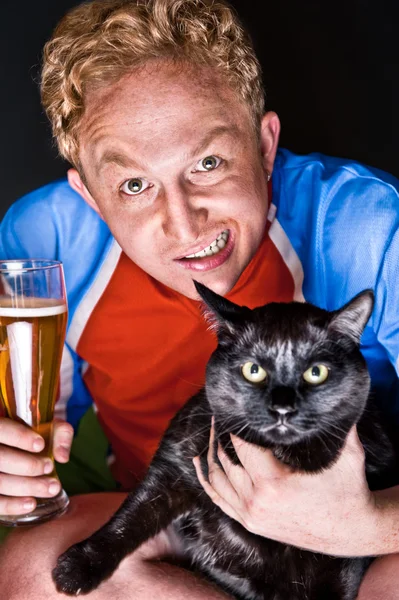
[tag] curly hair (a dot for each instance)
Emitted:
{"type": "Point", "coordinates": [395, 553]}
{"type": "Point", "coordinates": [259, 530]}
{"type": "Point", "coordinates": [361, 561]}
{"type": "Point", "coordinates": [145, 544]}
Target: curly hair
{"type": "Point", "coordinates": [99, 42]}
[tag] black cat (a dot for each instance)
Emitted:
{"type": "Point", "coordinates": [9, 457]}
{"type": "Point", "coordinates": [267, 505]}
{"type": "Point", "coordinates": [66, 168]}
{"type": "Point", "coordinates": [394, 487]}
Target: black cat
{"type": "Point", "coordinates": [289, 377]}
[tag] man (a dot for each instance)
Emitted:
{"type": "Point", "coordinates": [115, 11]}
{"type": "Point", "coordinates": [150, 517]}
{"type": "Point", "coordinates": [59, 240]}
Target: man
{"type": "Point", "coordinates": [158, 106]}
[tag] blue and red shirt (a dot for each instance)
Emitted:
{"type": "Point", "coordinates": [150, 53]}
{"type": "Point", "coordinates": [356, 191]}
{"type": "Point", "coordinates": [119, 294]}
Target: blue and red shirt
{"type": "Point", "coordinates": [138, 349]}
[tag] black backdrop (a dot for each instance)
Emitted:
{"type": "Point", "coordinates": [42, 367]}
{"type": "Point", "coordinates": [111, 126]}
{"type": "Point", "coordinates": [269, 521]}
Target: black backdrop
{"type": "Point", "coordinates": [331, 72]}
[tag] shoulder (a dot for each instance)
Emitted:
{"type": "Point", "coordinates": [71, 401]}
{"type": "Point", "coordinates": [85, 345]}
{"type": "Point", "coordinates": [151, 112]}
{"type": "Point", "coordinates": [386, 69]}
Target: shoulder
{"type": "Point", "coordinates": [341, 216]}
{"type": "Point", "coordinates": [53, 218]}
{"type": "Point", "coordinates": [321, 180]}
{"type": "Point", "coordinates": [55, 206]}
{"type": "Point", "coordinates": [55, 222]}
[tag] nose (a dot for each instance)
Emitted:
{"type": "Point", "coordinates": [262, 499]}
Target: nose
{"type": "Point", "coordinates": [183, 215]}
{"type": "Point", "coordinates": [283, 401]}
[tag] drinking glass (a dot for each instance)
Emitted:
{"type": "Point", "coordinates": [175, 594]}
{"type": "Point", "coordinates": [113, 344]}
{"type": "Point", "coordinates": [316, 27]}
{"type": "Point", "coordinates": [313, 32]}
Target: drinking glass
{"type": "Point", "coordinates": [33, 318]}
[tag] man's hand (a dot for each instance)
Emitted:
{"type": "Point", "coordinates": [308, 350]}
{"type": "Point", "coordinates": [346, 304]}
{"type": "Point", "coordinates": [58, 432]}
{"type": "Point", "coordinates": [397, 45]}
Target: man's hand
{"type": "Point", "coordinates": [332, 512]}
{"type": "Point", "coordinates": [22, 474]}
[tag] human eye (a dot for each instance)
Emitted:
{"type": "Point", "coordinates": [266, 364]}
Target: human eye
{"type": "Point", "coordinates": [135, 186]}
{"type": "Point", "coordinates": [209, 163]}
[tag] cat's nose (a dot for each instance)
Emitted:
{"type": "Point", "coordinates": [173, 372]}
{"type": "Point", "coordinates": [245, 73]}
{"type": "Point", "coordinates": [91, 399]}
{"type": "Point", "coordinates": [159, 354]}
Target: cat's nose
{"type": "Point", "coordinates": [283, 410]}
{"type": "Point", "coordinates": [282, 414]}
{"type": "Point", "coordinates": [283, 401]}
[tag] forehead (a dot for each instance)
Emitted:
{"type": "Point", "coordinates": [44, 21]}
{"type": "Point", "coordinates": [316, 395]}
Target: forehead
{"type": "Point", "coordinates": [161, 102]}
{"type": "Point", "coordinates": [285, 330]}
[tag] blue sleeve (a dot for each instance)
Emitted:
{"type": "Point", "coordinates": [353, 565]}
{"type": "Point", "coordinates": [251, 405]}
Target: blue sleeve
{"type": "Point", "coordinates": [49, 223]}
{"type": "Point", "coordinates": [343, 221]}
{"type": "Point", "coordinates": [386, 325]}
{"type": "Point", "coordinates": [386, 311]}
{"type": "Point", "coordinates": [28, 231]}
{"type": "Point", "coordinates": [361, 250]}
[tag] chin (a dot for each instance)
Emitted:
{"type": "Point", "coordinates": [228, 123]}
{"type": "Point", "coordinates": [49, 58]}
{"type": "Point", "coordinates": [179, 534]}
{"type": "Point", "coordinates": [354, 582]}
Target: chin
{"type": "Point", "coordinates": [220, 284]}
{"type": "Point", "coordinates": [220, 287]}
{"type": "Point", "coordinates": [285, 437]}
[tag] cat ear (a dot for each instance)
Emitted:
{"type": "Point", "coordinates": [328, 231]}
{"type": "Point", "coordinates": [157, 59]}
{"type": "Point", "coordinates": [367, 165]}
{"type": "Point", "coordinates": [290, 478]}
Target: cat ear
{"type": "Point", "coordinates": [351, 319]}
{"type": "Point", "coordinates": [225, 311]}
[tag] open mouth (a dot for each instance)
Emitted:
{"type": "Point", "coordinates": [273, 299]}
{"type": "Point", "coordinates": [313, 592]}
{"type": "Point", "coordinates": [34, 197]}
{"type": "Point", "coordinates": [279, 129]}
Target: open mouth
{"type": "Point", "coordinates": [218, 244]}
{"type": "Point", "coordinates": [210, 257]}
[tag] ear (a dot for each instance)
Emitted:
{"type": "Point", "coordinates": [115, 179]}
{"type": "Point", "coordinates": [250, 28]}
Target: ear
{"type": "Point", "coordinates": [351, 319]}
{"type": "Point", "coordinates": [225, 311]}
{"type": "Point", "coordinates": [270, 134]}
{"type": "Point", "coordinates": [76, 183]}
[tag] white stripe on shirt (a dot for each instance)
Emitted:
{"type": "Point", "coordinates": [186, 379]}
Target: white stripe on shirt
{"type": "Point", "coordinates": [93, 295]}
{"type": "Point", "coordinates": [289, 256]}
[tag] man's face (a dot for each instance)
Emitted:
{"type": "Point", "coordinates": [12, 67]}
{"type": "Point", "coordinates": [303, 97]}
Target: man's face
{"type": "Point", "coordinates": [175, 169]}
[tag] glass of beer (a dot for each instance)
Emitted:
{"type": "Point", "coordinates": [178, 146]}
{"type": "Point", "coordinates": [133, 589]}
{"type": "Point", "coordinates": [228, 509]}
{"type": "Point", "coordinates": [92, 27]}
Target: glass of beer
{"type": "Point", "coordinates": [33, 318]}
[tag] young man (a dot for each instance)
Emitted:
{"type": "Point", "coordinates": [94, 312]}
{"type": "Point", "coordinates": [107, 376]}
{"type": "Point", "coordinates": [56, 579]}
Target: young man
{"type": "Point", "coordinates": [158, 106]}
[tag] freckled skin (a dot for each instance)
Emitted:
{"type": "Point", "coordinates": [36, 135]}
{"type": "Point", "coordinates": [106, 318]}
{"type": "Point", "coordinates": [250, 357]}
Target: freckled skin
{"type": "Point", "coordinates": [249, 566]}
{"type": "Point", "coordinates": [164, 121]}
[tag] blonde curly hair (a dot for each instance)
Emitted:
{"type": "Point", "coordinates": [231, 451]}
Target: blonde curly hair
{"type": "Point", "coordinates": [99, 42]}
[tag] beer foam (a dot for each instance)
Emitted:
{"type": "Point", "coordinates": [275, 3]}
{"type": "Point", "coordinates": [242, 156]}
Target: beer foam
{"type": "Point", "coordinates": [33, 311]}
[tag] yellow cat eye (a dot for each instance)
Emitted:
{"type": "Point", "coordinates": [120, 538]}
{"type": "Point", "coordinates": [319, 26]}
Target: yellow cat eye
{"type": "Point", "coordinates": [316, 374]}
{"type": "Point", "coordinates": [253, 372]}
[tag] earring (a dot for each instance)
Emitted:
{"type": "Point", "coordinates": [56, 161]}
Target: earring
{"type": "Point", "coordinates": [268, 176]}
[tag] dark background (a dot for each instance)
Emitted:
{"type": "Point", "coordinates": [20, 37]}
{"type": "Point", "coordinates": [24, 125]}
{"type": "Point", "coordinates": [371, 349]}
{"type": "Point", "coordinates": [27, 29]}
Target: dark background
{"type": "Point", "coordinates": [330, 71]}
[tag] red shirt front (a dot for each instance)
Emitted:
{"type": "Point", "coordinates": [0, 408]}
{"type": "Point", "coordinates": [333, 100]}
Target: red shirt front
{"type": "Point", "coordinates": [147, 347]}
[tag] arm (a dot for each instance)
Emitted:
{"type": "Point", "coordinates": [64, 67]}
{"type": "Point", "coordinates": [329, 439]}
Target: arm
{"type": "Point", "coordinates": [28, 231]}
{"type": "Point", "coordinates": [22, 470]}
{"type": "Point", "coordinates": [141, 576]}
{"type": "Point", "coordinates": [332, 512]}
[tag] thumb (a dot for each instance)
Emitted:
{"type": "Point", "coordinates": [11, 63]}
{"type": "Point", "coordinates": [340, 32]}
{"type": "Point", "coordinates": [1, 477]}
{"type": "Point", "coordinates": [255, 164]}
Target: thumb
{"type": "Point", "coordinates": [62, 441]}
{"type": "Point", "coordinates": [353, 443]}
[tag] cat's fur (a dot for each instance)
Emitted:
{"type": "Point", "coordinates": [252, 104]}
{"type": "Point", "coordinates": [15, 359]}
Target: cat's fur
{"type": "Point", "coordinates": [285, 339]}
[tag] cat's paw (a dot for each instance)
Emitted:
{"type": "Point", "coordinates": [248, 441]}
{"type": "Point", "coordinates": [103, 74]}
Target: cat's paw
{"type": "Point", "coordinates": [78, 570]}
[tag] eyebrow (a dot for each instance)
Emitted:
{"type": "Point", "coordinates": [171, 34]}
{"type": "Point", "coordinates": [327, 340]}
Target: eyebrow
{"type": "Point", "coordinates": [230, 131]}
{"type": "Point", "coordinates": [116, 158]}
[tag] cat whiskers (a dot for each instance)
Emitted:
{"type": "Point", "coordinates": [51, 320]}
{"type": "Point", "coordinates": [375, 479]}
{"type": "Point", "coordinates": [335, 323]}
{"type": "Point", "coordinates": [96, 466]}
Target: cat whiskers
{"type": "Point", "coordinates": [320, 438]}
{"type": "Point", "coordinates": [230, 426]}
{"type": "Point", "coordinates": [333, 427]}
{"type": "Point", "coordinates": [205, 413]}
{"type": "Point", "coordinates": [192, 436]}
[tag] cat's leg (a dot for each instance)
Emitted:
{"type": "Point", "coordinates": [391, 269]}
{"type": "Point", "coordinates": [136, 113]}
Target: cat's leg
{"type": "Point", "coordinates": [144, 513]}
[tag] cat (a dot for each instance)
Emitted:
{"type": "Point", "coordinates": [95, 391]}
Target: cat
{"type": "Point", "coordinates": [289, 377]}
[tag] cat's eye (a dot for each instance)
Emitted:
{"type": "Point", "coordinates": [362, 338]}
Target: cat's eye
{"type": "Point", "coordinates": [253, 372]}
{"type": "Point", "coordinates": [316, 374]}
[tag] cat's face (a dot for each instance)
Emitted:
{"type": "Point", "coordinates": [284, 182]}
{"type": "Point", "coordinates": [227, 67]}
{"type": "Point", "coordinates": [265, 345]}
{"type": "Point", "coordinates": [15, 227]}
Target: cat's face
{"type": "Point", "coordinates": [286, 372]}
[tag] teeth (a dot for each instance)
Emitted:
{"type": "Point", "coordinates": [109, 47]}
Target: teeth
{"type": "Point", "coordinates": [213, 248]}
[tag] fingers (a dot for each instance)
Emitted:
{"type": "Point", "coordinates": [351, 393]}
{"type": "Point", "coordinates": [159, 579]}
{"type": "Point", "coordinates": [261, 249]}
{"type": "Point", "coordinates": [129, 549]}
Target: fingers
{"type": "Point", "coordinates": [213, 495]}
{"type": "Point", "coordinates": [16, 506]}
{"type": "Point", "coordinates": [40, 487]}
{"type": "Point", "coordinates": [216, 476]}
{"type": "Point", "coordinates": [20, 436]}
{"type": "Point", "coordinates": [62, 441]}
{"type": "Point", "coordinates": [236, 474]}
{"type": "Point", "coordinates": [22, 469]}
{"type": "Point", "coordinates": [353, 441]}
{"type": "Point", "coordinates": [207, 487]}
{"type": "Point", "coordinates": [17, 462]}
{"type": "Point", "coordinates": [219, 487]}
{"type": "Point", "coordinates": [257, 461]}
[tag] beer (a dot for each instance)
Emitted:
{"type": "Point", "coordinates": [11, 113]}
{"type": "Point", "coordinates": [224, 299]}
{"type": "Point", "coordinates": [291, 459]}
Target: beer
{"type": "Point", "coordinates": [31, 342]}
{"type": "Point", "coordinates": [33, 318]}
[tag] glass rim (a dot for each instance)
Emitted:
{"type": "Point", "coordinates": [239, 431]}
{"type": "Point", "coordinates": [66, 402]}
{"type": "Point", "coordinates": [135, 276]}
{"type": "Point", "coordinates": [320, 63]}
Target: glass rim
{"type": "Point", "coordinates": [35, 264]}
